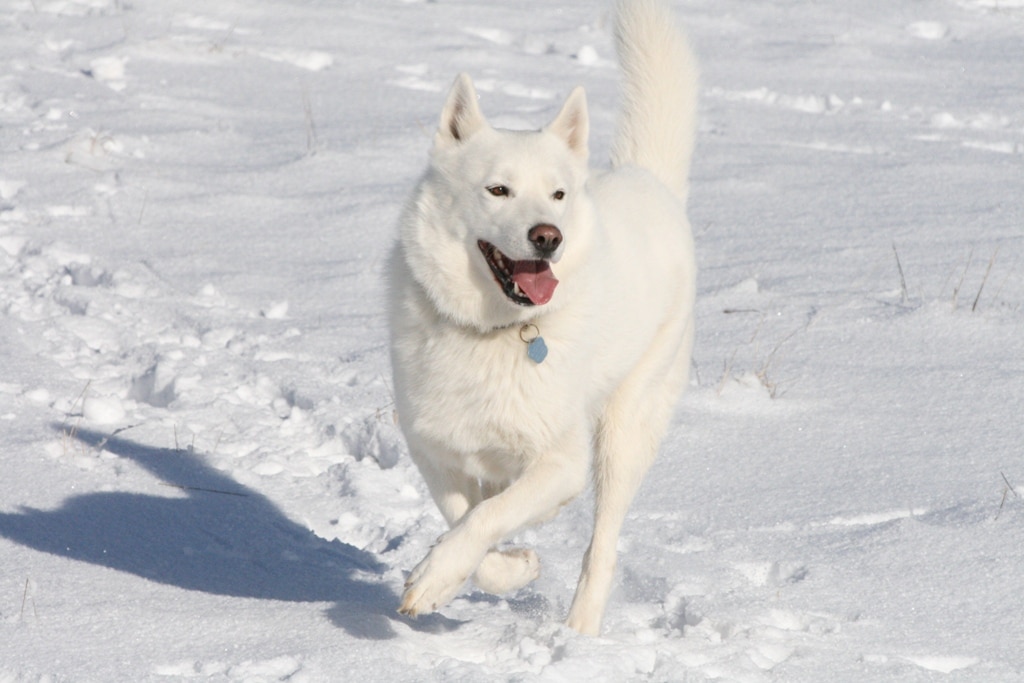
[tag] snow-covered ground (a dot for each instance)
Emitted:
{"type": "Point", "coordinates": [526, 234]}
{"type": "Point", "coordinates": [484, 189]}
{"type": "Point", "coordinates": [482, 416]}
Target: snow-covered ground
{"type": "Point", "coordinates": [200, 476]}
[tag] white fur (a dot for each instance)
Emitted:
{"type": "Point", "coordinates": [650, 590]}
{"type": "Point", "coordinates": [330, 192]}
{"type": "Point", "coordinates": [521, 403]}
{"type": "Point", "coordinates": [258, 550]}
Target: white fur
{"type": "Point", "coordinates": [504, 442]}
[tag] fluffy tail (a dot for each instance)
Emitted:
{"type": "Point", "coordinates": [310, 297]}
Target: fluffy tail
{"type": "Point", "coordinates": [658, 122]}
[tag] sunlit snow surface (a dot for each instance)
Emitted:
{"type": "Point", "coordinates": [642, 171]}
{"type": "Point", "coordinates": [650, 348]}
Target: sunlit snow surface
{"type": "Point", "coordinates": [200, 475]}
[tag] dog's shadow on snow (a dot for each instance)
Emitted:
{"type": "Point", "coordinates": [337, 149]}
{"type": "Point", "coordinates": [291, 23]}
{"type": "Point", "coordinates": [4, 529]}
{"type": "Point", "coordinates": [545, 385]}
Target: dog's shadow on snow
{"type": "Point", "coordinates": [211, 534]}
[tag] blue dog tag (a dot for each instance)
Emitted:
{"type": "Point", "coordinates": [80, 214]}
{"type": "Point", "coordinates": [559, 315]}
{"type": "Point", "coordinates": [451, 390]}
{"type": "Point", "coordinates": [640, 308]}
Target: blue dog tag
{"type": "Point", "coordinates": [537, 350]}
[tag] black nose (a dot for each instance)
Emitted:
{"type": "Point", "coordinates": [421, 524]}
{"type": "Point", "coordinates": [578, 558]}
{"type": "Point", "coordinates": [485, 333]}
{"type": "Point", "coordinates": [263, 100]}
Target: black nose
{"type": "Point", "coordinates": [545, 238]}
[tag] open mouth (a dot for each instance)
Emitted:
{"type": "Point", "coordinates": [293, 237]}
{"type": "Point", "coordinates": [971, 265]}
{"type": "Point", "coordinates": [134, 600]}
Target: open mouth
{"type": "Point", "coordinates": [527, 282]}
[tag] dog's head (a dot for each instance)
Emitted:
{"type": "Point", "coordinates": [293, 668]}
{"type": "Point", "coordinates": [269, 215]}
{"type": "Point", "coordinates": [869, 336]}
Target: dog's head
{"type": "Point", "coordinates": [496, 220]}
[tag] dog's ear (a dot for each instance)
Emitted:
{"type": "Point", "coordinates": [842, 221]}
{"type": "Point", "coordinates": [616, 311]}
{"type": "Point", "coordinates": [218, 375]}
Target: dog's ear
{"type": "Point", "coordinates": [573, 123]}
{"type": "Point", "coordinates": [461, 116]}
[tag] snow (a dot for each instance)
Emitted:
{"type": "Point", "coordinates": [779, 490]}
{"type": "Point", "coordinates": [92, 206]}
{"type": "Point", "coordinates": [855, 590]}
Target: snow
{"type": "Point", "coordinates": [201, 475]}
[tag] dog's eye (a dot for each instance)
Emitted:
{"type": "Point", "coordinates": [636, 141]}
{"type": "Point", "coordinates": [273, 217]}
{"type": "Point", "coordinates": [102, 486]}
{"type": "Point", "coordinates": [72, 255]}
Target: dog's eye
{"type": "Point", "coordinates": [498, 190]}
{"type": "Point", "coordinates": [559, 195]}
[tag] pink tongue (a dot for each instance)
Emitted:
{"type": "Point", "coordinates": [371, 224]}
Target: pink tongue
{"type": "Point", "coordinates": [535, 279]}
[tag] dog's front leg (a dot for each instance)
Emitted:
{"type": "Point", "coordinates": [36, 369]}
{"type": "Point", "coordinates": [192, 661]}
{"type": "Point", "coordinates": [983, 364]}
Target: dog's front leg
{"type": "Point", "coordinates": [549, 482]}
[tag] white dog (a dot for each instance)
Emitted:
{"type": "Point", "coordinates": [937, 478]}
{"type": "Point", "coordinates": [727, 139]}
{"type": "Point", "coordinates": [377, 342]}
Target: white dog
{"type": "Point", "coordinates": [542, 318]}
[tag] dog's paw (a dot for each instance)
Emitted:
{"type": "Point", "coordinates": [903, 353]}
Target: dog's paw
{"type": "Point", "coordinates": [507, 570]}
{"type": "Point", "coordinates": [584, 619]}
{"type": "Point", "coordinates": [435, 581]}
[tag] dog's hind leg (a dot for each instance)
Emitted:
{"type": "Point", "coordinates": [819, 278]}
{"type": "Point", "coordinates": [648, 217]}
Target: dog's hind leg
{"type": "Point", "coordinates": [628, 437]}
{"type": "Point", "coordinates": [623, 456]}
